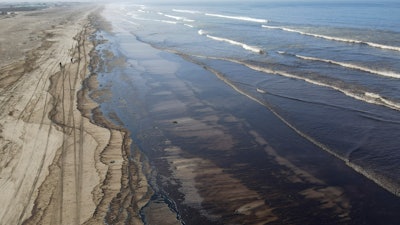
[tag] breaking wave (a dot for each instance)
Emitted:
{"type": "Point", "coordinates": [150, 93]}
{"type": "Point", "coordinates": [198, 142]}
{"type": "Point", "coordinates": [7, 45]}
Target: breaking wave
{"type": "Point", "coordinates": [365, 96]}
{"type": "Point", "coordinates": [179, 18]}
{"type": "Point", "coordinates": [353, 66]}
{"type": "Point", "coordinates": [232, 42]}
{"type": "Point", "coordinates": [201, 32]}
{"type": "Point", "coordinates": [186, 11]}
{"type": "Point", "coordinates": [243, 18]}
{"type": "Point", "coordinates": [371, 44]}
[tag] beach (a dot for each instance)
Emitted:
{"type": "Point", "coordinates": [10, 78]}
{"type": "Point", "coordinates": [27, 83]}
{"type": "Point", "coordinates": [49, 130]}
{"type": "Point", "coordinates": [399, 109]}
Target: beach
{"type": "Point", "coordinates": [56, 165]}
{"type": "Point", "coordinates": [196, 114]}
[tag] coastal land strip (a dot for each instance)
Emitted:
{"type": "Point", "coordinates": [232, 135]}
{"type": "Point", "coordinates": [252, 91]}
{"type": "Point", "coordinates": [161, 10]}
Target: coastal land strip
{"type": "Point", "coordinates": [61, 161]}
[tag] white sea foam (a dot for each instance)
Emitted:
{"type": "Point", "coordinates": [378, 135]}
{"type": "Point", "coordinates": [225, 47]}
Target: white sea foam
{"type": "Point", "coordinates": [168, 21]}
{"type": "Point", "coordinates": [232, 42]}
{"type": "Point", "coordinates": [179, 18]}
{"type": "Point", "coordinates": [201, 32]}
{"type": "Point", "coordinates": [371, 44]}
{"type": "Point", "coordinates": [368, 97]}
{"type": "Point", "coordinates": [372, 95]}
{"type": "Point", "coordinates": [186, 11]}
{"type": "Point", "coordinates": [260, 91]}
{"type": "Point", "coordinates": [353, 66]}
{"type": "Point", "coordinates": [188, 25]}
{"type": "Point", "coordinates": [243, 18]}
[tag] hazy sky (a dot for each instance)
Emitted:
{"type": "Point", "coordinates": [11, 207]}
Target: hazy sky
{"type": "Point", "coordinates": [215, 1]}
{"type": "Point", "coordinates": [188, 1]}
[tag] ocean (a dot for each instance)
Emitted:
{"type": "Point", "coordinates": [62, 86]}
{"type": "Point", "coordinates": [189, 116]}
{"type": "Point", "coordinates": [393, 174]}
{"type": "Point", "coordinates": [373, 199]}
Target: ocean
{"type": "Point", "coordinates": [260, 113]}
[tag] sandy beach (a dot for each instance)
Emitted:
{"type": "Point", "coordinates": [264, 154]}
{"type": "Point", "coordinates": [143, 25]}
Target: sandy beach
{"type": "Point", "coordinates": [56, 165]}
{"type": "Point", "coordinates": [113, 114]}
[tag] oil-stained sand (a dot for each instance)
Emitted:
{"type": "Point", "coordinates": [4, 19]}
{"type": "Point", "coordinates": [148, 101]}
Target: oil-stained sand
{"type": "Point", "coordinates": [57, 166]}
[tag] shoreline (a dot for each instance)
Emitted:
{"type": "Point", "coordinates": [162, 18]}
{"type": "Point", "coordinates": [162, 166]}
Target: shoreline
{"type": "Point", "coordinates": [62, 161]}
{"type": "Point", "coordinates": [124, 167]}
{"type": "Point", "coordinates": [218, 157]}
{"type": "Point", "coordinates": [67, 158]}
{"type": "Point", "coordinates": [149, 206]}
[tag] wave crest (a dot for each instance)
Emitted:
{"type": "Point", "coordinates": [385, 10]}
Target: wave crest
{"type": "Point", "coordinates": [353, 66]}
{"type": "Point", "coordinates": [371, 44]}
{"type": "Point", "coordinates": [186, 11]}
{"type": "Point", "coordinates": [179, 18]}
{"type": "Point", "coordinates": [365, 96]}
{"type": "Point", "coordinates": [201, 32]}
{"type": "Point", "coordinates": [243, 18]}
{"type": "Point", "coordinates": [232, 42]}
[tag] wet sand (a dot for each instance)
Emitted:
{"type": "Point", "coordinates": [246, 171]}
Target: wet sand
{"type": "Point", "coordinates": [61, 162]}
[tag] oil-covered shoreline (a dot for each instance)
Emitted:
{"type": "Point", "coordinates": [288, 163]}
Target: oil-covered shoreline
{"type": "Point", "coordinates": [218, 157]}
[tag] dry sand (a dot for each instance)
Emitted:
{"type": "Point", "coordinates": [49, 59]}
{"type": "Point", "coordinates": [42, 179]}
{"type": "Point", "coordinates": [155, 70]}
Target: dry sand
{"type": "Point", "coordinates": [56, 165]}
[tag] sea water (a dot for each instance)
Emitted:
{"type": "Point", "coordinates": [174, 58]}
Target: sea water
{"type": "Point", "coordinates": [328, 71]}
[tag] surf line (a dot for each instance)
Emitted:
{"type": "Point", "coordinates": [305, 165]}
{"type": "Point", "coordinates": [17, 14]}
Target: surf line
{"type": "Point", "coordinates": [368, 97]}
{"type": "Point", "coordinates": [243, 18]}
{"type": "Point", "coordinates": [363, 96]}
{"type": "Point", "coordinates": [352, 66]}
{"type": "Point", "coordinates": [186, 11]}
{"type": "Point", "coordinates": [232, 42]}
{"type": "Point", "coordinates": [179, 18]}
{"type": "Point", "coordinates": [326, 37]}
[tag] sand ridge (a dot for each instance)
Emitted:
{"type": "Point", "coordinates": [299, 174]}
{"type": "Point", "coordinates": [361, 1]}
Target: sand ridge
{"type": "Point", "coordinates": [56, 165]}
